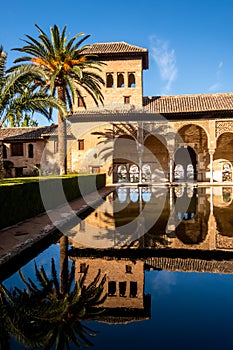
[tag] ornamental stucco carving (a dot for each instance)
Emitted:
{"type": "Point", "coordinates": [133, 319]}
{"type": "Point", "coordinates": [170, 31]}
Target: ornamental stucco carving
{"type": "Point", "coordinates": [223, 126]}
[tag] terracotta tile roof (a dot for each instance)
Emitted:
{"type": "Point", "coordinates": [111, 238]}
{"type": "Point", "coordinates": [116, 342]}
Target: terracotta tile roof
{"type": "Point", "coordinates": [189, 103]}
{"type": "Point", "coordinates": [118, 49]}
{"type": "Point", "coordinates": [29, 133]}
{"type": "Point", "coordinates": [25, 133]}
{"type": "Point", "coordinates": [113, 47]}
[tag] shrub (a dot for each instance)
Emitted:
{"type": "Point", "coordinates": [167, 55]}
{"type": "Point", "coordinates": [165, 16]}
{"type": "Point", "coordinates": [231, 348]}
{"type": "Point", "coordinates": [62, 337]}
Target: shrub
{"type": "Point", "coordinates": [20, 199]}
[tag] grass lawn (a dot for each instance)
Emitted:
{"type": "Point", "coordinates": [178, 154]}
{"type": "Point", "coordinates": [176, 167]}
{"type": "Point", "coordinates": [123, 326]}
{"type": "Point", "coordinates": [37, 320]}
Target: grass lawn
{"type": "Point", "coordinates": [22, 180]}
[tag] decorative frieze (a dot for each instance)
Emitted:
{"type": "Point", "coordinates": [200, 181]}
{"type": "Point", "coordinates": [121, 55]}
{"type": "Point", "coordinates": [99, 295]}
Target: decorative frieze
{"type": "Point", "coordinates": [223, 126]}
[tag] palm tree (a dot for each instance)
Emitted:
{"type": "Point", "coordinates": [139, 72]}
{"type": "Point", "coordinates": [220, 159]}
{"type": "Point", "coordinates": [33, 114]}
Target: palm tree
{"type": "Point", "coordinates": [40, 315]}
{"type": "Point", "coordinates": [19, 94]}
{"type": "Point", "coordinates": [68, 71]}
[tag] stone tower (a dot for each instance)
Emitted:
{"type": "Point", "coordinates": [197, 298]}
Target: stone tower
{"type": "Point", "coordinates": [122, 72]}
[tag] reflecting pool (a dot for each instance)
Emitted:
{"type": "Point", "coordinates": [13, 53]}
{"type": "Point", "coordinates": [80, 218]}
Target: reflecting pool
{"type": "Point", "coordinates": [150, 268]}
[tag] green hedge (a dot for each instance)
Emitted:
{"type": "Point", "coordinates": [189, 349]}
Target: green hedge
{"type": "Point", "coordinates": [22, 200]}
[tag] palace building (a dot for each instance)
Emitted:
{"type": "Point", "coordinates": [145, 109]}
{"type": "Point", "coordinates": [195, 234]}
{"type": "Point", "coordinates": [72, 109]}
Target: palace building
{"type": "Point", "coordinates": [133, 138]}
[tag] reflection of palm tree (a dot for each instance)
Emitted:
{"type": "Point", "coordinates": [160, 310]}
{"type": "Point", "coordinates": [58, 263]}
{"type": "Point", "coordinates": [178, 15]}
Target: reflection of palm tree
{"type": "Point", "coordinates": [41, 315]}
{"type": "Point", "coordinates": [4, 336]}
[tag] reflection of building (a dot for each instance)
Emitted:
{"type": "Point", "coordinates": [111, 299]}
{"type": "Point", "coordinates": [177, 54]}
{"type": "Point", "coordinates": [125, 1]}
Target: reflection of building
{"type": "Point", "coordinates": [124, 287]}
{"type": "Point", "coordinates": [182, 217]}
{"type": "Point", "coordinates": [192, 139]}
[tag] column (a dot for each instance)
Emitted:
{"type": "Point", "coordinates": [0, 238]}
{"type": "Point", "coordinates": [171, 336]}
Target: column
{"type": "Point", "coordinates": [140, 148]}
{"type": "Point", "coordinates": [171, 166]}
{"type": "Point", "coordinates": [211, 153]}
{"type": "Point", "coordinates": [212, 226]}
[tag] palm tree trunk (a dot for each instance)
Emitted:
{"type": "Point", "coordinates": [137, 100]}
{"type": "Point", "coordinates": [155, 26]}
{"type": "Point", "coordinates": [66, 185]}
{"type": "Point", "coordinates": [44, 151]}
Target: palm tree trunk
{"type": "Point", "coordinates": [63, 264]}
{"type": "Point", "coordinates": [1, 161]}
{"type": "Point", "coordinates": [62, 136]}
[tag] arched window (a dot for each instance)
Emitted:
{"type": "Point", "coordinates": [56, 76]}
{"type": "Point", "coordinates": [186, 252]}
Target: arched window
{"type": "Point", "coordinates": [146, 173]}
{"type": "Point", "coordinates": [134, 173]}
{"type": "Point", "coordinates": [4, 152]}
{"type": "Point", "coordinates": [179, 172]}
{"type": "Point", "coordinates": [226, 172]}
{"type": "Point", "coordinates": [190, 172]}
{"type": "Point", "coordinates": [122, 173]}
{"type": "Point", "coordinates": [109, 80]}
{"type": "Point", "coordinates": [131, 80]}
{"type": "Point", "coordinates": [30, 151]}
{"type": "Point", "coordinates": [120, 80]}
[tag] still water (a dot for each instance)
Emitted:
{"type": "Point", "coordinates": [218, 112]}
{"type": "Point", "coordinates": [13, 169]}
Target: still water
{"type": "Point", "coordinates": [166, 258]}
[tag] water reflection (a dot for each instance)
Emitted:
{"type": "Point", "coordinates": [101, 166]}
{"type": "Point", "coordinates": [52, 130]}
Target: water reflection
{"type": "Point", "coordinates": [193, 232]}
{"type": "Point", "coordinates": [182, 217]}
{"type": "Point", "coordinates": [44, 314]}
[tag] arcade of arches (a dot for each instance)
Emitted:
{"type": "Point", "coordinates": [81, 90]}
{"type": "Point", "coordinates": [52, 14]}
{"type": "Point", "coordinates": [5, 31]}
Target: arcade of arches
{"type": "Point", "coordinates": [195, 152]}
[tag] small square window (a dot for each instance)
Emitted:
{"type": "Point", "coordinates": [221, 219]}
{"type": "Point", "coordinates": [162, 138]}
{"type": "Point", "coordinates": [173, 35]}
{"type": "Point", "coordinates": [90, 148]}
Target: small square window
{"type": "Point", "coordinates": [133, 289]}
{"type": "Point", "coordinates": [17, 149]}
{"type": "Point", "coordinates": [112, 288]}
{"type": "Point", "coordinates": [122, 289]}
{"type": "Point", "coordinates": [126, 99]}
{"type": "Point", "coordinates": [83, 267]}
{"type": "Point", "coordinates": [128, 269]}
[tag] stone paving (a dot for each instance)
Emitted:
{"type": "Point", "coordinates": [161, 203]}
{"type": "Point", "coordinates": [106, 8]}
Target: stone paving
{"type": "Point", "coordinates": [24, 235]}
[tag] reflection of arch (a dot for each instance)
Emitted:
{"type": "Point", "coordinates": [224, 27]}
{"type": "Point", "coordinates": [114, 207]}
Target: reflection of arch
{"type": "Point", "coordinates": [179, 191]}
{"type": "Point", "coordinates": [146, 194]}
{"type": "Point", "coordinates": [122, 193]}
{"type": "Point", "coordinates": [193, 226]}
{"type": "Point", "coordinates": [227, 195]}
{"type": "Point", "coordinates": [185, 164]}
{"type": "Point", "coordinates": [186, 205]}
{"type": "Point", "coordinates": [133, 194]}
{"type": "Point", "coordinates": [223, 197]}
{"type": "Point", "coordinates": [223, 218]}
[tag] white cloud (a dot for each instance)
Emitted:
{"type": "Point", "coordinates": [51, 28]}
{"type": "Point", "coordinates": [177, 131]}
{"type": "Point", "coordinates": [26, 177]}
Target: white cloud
{"type": "Point", "coordinates": [166, 61]}
{"type": "Point", "coordinates": [164, 282]}
{"type": "Point", "coordinates": [217, 86]}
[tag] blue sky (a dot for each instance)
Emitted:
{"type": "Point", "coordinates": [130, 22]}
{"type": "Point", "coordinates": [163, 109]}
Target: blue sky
{"type": "Point", "coordinates": [190, 42]}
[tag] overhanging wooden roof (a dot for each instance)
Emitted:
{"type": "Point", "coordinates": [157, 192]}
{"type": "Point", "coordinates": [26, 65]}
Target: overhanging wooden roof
{"type": "Point", "coordinates": [118, 49]}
